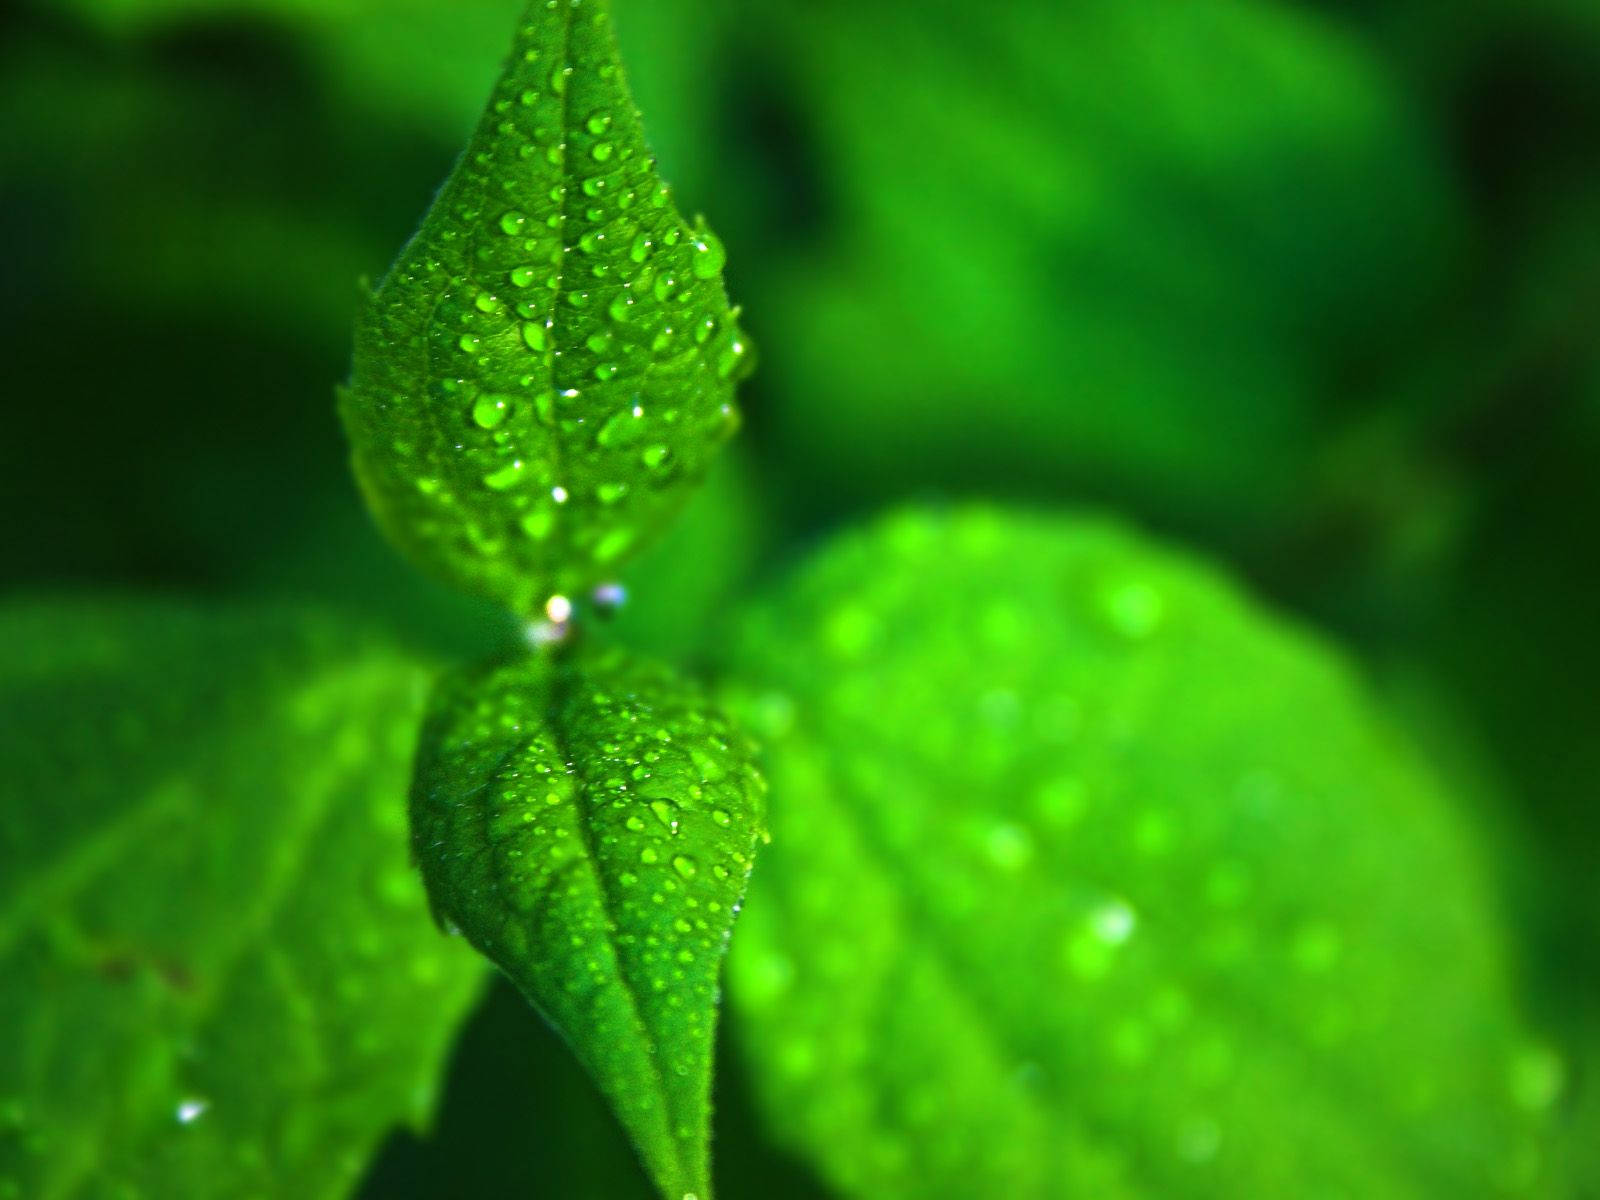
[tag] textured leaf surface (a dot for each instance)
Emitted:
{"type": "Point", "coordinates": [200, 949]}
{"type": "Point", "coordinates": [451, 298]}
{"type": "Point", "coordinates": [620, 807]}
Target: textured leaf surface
{"type": "Point", "coordinates": [219, 975]}
{"type": "Point", "coordinates": [590, 826]}
{"type": "Point", "coordinates": [550, 363]}
{"type": "Point", "coordinates": [1089, 879]}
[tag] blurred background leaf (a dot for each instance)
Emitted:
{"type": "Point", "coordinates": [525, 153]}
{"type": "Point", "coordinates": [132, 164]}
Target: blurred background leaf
{"type": "Point", "coordinates": [1308, 283]}
{"type": "Point", "coordinates": [221, 974]}
{"type": "Point", "coordinates": [1090, 878]}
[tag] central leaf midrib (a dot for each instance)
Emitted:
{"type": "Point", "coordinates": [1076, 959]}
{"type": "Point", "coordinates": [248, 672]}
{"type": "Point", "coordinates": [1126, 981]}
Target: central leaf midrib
{"type": "Point", "coordinates": [558, 457]}
{"type": "Point", "coordinates": [561, 692]}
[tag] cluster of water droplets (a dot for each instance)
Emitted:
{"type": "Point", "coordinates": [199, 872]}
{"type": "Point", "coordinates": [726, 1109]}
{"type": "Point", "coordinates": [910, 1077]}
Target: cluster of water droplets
{"type": "Point", "coordinates": [603, 860]}
{"type": "Point", "coordinates": [579, 351]}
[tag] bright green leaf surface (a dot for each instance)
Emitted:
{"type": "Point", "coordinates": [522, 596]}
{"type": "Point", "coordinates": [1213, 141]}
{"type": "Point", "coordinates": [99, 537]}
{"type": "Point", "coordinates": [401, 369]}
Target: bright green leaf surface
{"type": "Point", "coordinates": [551, 361]}
{"type": "Point", "coordinates": [219, 974]}
{"type": "Point", "coordinates": [590, 826]}
{"type": "Point", "coordinates": [1089, 879]}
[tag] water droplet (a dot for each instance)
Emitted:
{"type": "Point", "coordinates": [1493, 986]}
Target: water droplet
{"type": "Point", "coordinates": [508, 476]}
{"type": "Point", "coordinates": [1113, 922]}
{"type": "Point", "coordinates": [511, 223]}
{"type": "Point", "coordinates": [667, 813]}
{"type": "Point", "coordinates": [539, 524]}
{"type": "Point", "coordinates": [649, 855]}
{"type": "Point", "coordinates": [1133, 608]}
{"type": "Point", "coordinates": [536, 335]}
{"type": "Point", "coordinates": [524, 276]}
{"type": "Point", "coordinates": [490, 411]}
{"type": "Point", "coordinates": [710, 256]}
{"type": "Point", "coordinates": [621, 428]}
{"type": "Point", "coordinates": [598, 123]}
{"type": "Point", "coordinates": [610, 493]}
{"type": "Point", "coordinates": [655, 457]}
{"type": "Point", "coordinates": [559, 494]}
{"type": "Point", "coordinates": [609, 597]}
{"type": "Point", "coordinates": [1009, 847]}
{"type": "Point", "coordinates": [614, 544]}
{"type": "Point", "coordinates": [602, 151]}
{"type": "Point", "coordinates": [1537, 1076]}
{"type": "Point", "coordinates": [191, 1110]}
{"type": "Point", "coordinates": [721, 817]}
{"type": "Point", "coordinates": [558, 609]}
{"type": "Point", "coordinates": [731, 359]}
{"type": "Point", "coordinates": [685, 866]}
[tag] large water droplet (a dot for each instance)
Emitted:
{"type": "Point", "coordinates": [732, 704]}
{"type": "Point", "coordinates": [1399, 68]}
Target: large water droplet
{"type": "Point", "coordinates": [506, 477]}
{"type": "Point", "coordinates": [490, 411]}
{"type": "Point", "coordinates": [710, 256]}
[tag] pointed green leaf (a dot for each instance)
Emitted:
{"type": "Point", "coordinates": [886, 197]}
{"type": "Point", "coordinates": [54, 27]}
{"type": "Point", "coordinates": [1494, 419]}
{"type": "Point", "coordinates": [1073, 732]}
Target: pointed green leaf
{"type": "Point", "coordinates": [550, 364]}
{"type": "Point", "coordinates": [217, 973]}
{"type": "Point", "coordinates": [590, 826]}
{"type": "Point", "coordinates": [1090, 879]}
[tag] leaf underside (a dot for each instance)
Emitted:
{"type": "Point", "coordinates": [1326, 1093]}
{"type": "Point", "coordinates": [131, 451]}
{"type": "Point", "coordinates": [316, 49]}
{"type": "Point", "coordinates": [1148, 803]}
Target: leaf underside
{"type": "Point", "coordinates": [550, 364]}
{"type": "Point", "coordinates": [590, 825]}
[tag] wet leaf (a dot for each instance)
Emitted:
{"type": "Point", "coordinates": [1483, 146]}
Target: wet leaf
{"type": "Point", "coordinates": [219, 973]}
{"type": "Point", "coordinates": [550, 364]}
{"type": "Point", "coordinates": [590, 826]}
{"type": "Point", "coordinates": [1089, 878]}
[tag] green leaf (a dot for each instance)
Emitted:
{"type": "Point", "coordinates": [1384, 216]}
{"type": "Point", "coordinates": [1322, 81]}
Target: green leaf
{"type": "Point", "coordinates": [1090, 879]}
{"type": "Point", "coordinates": [590, 824]}
{"type": "Point", "coordinates": [1084, 247]}
{"type": "Point", "coordinates": [550, 363]}
{"type": "Point", "coordinates": [219, 973]}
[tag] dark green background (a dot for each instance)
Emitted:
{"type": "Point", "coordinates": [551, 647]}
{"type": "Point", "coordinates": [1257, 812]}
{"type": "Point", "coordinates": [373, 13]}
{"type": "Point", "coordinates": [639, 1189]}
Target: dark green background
{"type": "Point", "coordinates": [1312, 287]}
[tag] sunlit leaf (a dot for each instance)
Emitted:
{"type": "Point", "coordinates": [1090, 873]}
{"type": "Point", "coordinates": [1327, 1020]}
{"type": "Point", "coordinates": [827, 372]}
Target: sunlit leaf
{"type": "Point", "coordinates": [1090, 879]}
{"type": "Point", "coordinates": [219, 976]}
{"type": "Point", "coordinates": [550, 363]}
{"type": "Point", "coordinates": [590, 826]}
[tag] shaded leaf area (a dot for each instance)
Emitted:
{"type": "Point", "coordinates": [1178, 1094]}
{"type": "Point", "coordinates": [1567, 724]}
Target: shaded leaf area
{"type": "Point", "coordinates": [681, 591]}
{"type": "Point", "coordinates": [1090, 878]}
{"type": "Point", "coordinates": [550, 363]}
{"type": "Point", "coordinates": [519, 1117]}
{"type": "Point", "coordinates": [220, 977]}
{"type": "Point", "coordinates": [590, 825]}
{"type": "Point", "coordinates": [1136, 251]}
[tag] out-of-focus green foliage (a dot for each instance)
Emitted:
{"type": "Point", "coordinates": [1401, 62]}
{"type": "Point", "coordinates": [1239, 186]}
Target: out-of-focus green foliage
{"type": "Point", "coordinates": [681, 590]}
{"type": "Point", "coordinates": [220, 974]}
{"type": "Point", "coordinates": [1141, 899]}
{"type": "Point", "coordinates": [1306, 282]}
{"type": "Point", "coordinates": [549, 366]}
{"type": "Point", "coordinates": [590, 825]}
{"type": "Point", "coordinates": [1124, 248]}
